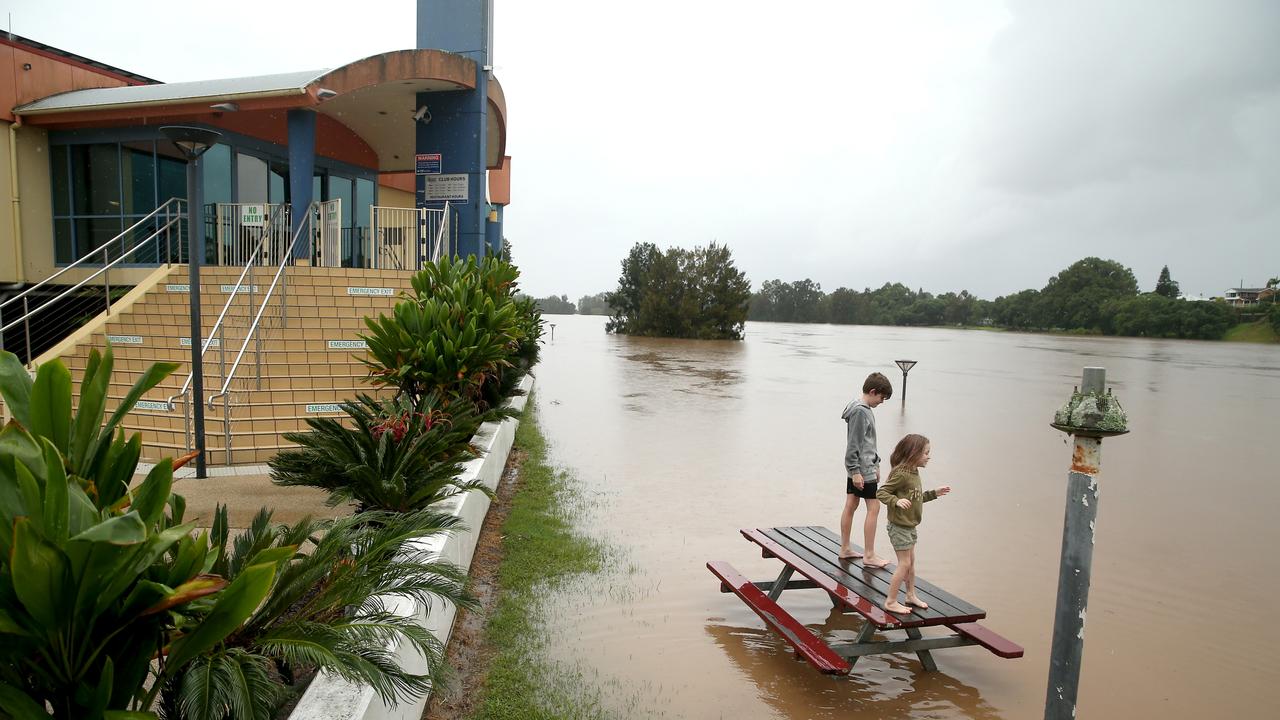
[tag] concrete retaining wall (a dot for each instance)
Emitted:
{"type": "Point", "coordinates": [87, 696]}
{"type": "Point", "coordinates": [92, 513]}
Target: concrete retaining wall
{"type": "Point", "coordinates": [332, 698]}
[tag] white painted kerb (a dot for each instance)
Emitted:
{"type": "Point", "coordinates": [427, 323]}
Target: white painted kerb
{"type": "Point", "coordinates": [332, 698]}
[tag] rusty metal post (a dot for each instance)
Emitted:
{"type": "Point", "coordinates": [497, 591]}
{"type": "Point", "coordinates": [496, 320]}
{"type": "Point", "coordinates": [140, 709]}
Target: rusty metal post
{"type": "Point", "coordinates": [1091, 414]}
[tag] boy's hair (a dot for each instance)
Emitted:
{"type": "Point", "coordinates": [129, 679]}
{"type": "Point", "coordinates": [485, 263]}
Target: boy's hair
{"type": "Point", "coordinates": [908, 451]}
{"type": "Point", "coordinates": [879, 384]}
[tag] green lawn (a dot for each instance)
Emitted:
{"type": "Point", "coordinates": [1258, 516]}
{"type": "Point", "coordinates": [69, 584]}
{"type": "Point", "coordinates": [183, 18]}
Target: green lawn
{"type": "Point", "coordinates": [541, 551]}
{"type": "Point", "coordinates": [1254, 332]}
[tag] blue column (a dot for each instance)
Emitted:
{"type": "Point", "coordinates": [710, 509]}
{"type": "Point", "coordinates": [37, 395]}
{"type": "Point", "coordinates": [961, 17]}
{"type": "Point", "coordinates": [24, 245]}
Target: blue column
{"type": "Point", "coordinates": [302, 165]}
{"type": "Point", "coordinates": [459, 120]}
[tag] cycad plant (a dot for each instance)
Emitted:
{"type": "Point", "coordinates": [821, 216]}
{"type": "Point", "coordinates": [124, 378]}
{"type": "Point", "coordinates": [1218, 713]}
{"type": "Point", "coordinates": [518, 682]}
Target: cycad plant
{"type": "Point", "coordinates": [97, 582]}
{"type": "Point", "coordinates": [398, 455]}
{"type": "Point", "coordinates": [330, 608]}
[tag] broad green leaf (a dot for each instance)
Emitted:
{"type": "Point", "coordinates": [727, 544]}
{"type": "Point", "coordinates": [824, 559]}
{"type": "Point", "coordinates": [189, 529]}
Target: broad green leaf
{"type": "Point", "coordinates": [235, 604]}
{"type": "Point", "coordinates": [126, 529]}
{"type": "Point", "coordinates": [88, 421]}
{"type": "Point", "coordinates": [138, 562]}
{"type": "Point", "coordinates": [40, 576]}
{"type": "Point", "coordinates": [102, 694]}
{"type": "Point", "coordinates": [29, 490]}
{"type": "Point", "coordinates": [115, 470]}
{"type": "Point", "coordinates": [151, 496]}
{"type": "Point", "coordinates": [16, 441]}
{"type": "Point", "coordinates": [128, 715]}
{"type": "Point", "coordinates": [57, 511]}
{"type": "Point", "coordinates": [51, 404]}
{"type": "Point", "coordinates": [15, 387]}
{"type": "Point", "coordinates": [275, 555]}
{"type": "Point", "coordinates": [9, 626]}
{"type": "Point", "coordinates": [151, 378]}
{"type": "Point", "coordinates": [19, 706]}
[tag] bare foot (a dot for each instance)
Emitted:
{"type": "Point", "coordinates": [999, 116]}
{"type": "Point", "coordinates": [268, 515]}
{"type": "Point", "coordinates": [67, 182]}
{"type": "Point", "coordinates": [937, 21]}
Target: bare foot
{"type": "Point", "coordinates": [874, 561]}
{"type": "Point", "coordinates": [917, 602]}
{"type": "Point", "coordinates": [894, 606]}
{"type": "Point", "coordinates": [849, 554]}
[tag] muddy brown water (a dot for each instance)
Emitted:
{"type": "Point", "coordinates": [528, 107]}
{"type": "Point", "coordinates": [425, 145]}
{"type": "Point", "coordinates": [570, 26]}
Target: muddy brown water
{"type": "Point", "coordinates": [678, 444]}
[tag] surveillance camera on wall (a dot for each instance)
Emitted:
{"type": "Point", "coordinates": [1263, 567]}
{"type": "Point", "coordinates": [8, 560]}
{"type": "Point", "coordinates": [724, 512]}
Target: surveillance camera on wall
{"type": "Point", "coordinates": [422, 115]}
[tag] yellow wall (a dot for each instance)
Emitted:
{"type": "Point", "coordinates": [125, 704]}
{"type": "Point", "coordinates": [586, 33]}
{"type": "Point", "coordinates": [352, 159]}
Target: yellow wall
{"type": "Point", "coordinates": [35, 193]}
{"type": "Point", "coordinates": [391, 197]}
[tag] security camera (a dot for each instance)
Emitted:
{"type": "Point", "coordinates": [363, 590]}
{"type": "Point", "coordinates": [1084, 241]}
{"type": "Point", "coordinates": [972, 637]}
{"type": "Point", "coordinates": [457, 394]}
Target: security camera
{"type": "Point", "coordinates": [422, 115]}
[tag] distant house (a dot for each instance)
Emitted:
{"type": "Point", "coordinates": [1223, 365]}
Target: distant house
{"type": "Point", "coordinates": [1240, 297]}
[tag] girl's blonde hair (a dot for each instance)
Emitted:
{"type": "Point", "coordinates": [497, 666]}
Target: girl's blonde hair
{"type": "Point", "coordinates": [908, 451]}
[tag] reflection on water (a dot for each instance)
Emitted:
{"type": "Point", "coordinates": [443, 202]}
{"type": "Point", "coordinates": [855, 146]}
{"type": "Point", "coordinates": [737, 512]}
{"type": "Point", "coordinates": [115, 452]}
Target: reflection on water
{"type": "Point", "coordinates": [886, 686]}
{"type": "Point", "coordinates": [678, 444]}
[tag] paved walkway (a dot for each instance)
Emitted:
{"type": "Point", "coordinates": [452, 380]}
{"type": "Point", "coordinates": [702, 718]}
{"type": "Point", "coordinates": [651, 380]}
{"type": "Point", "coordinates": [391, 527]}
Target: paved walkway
{"type": "Point", "coordinates": [244, 494]}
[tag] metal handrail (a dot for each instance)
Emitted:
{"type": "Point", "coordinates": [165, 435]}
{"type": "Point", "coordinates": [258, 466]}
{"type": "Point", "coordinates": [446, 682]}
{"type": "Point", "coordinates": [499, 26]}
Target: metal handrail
{"type": "Point", "coordinates": [441, 232]}
{"type": "Point", "coordinates": [28, 313]}
{"type": "Point", "coordinates": [304, 225]}
{"type": "Point", "coordinates": [178, 214]}
{"type": "Point", "coordinates": [217, 326]}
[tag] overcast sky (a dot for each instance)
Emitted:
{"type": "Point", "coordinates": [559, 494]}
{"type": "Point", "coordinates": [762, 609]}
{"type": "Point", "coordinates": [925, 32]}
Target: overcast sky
{"type": "Point", "coordinates": [980, 145]}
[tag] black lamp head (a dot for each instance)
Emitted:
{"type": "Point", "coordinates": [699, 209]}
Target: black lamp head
{"type": "Point", "coordinates": [192, 141]}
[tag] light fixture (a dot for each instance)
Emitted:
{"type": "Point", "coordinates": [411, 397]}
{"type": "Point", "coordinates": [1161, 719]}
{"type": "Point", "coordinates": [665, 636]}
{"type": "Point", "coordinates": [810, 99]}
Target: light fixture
{"type": "Point", "coordinates": [326, 93]}
{"type": "Point", "coordinates": [192, 141]}
{"type": "Point", "coordinates": [225, 106]}
{"type": "Point", "coordinates": [905, 366]}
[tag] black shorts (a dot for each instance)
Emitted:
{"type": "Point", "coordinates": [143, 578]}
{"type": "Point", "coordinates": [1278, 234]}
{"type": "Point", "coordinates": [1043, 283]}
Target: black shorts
{"type": "Point", "coordinates": [868, 491]}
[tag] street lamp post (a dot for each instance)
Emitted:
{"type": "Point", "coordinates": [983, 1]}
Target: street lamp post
{"type": "Point", "coordinates": [192, 142]}
{"type": "Point", "coordinates": [905, 366]}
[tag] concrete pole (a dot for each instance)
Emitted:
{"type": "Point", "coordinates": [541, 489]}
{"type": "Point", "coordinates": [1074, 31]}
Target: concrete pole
{"type": "Point", "coordinates": [1076, 566]}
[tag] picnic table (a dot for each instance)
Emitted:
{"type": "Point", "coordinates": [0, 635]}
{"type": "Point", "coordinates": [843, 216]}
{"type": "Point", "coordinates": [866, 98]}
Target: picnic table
{"type": "Point", "coordinates": [813, 554]}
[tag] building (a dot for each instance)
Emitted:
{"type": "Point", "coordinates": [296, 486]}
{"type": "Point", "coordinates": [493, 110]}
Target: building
{"type": "Point", "coordinates": [1242, 297]}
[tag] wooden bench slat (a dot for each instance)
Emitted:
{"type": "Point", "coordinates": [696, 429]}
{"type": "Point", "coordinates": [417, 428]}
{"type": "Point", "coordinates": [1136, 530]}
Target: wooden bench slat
{"type": "Point", "coordinates": [989, 639]}
{"type": "Point", "coordinates": [806, 644]}
{"type": "Point", "coordinates": [944, 603]}
{"type": "Point", "coordinates": [867, 586]}
{"type": "Point", "coordinates": [849, 597]}
{"type": "Point", "coordinates": [966, 608]}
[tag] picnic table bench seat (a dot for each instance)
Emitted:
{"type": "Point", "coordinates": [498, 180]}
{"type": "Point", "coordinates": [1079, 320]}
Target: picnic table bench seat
{"type": "Point", "coordinates": [813, 553]}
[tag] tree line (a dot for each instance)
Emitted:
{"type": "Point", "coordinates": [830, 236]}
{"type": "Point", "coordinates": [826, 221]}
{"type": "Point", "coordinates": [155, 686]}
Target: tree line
{"type": "Point", "coordinates": [1091, 296]}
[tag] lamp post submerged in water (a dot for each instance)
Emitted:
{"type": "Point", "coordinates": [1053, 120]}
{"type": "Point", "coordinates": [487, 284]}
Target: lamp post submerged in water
{"type": "Point", "coordinates": [1091, 414]}
{"type": "Point", "coordinates": [905, 366]}
{"type": "Point", "coordinates": [192, 142]}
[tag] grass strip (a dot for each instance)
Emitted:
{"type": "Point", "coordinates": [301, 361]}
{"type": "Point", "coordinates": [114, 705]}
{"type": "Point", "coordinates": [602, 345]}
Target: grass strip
{"type": "Point", "coordinates": [541, 551]}
{"type": "Point", "coordinates": [1254, 332]}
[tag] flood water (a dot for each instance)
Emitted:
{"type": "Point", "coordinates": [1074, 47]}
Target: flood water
{"type": "Point", "coordinates": [677, 444]}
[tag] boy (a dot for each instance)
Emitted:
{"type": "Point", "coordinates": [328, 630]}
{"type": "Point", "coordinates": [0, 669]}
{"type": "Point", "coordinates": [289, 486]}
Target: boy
{"type": "Point", "coordinates": [862, 466]}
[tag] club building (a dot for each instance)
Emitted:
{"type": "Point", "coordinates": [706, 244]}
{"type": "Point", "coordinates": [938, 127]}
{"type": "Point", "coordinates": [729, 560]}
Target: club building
{"type": "Point", "coordinates": [84, 158]}
{"type": "Point", "coordinates": [355, 174]}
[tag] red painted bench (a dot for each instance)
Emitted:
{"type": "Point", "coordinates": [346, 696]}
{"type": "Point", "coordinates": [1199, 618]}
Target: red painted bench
{"type": "Point", "coordinates": [806, 644]}
{"type": "Point", "coordinates": [813, 552]}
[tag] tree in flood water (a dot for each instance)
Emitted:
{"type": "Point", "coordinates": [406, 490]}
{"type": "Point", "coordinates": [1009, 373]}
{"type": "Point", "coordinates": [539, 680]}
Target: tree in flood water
{"type": "Point", "coordinates": [681, 293]}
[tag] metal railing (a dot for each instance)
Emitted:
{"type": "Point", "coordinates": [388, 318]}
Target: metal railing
{"type": "Point", "coordinates": [59, 312]}
{"type": "Point", "coordinates": [304, 234]}
{"type": "Point", "coordinates": [268, 251]}
{"type": "Point", "coordinates": [404, 238]}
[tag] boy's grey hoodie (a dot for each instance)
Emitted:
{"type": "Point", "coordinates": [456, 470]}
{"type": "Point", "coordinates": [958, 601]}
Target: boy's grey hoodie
{"type": "Point", "coordinates": [860, 456]}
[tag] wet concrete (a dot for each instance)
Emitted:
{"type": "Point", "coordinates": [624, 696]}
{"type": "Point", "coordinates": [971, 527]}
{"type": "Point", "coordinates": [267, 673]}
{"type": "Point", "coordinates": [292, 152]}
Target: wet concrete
{"type": "Point", "coordinates": [677, 444]}
{"type": "Point", "coordinates": [244, 495]}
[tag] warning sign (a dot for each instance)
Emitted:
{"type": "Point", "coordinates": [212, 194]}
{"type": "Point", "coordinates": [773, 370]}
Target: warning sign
{"type": "Point", "coordinates": [427, 163]}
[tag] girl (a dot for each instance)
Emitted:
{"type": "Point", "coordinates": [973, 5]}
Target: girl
{"type": "Point", "coordinates": [902, 495]}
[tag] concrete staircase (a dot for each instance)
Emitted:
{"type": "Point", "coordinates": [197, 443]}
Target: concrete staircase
{"type": "Point", "coordinates": [308, 365]}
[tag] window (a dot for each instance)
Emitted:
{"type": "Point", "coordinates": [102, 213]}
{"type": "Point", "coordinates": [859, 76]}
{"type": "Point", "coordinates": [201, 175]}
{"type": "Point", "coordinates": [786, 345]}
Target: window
{"type": "Point", "coordinates": [251, 179]}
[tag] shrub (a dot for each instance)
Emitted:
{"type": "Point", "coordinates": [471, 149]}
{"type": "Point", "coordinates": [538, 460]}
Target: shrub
{"type": "Point", "coordinates": [96, 581]}
{"type": "Point", "coordinates": [328, 610]}
{"type": "Point", "coordinates": [398, 455]}
{"type": "Point", "coordinates": [456, 331]}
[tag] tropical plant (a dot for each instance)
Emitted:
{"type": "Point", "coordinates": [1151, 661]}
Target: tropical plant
{"type": "Point", "coordinates": [331, 608]}
{"type": "Point", "coordinates": [397, 455]}
{"type": "Point", "coordinates": [96, 581]}
{"type": "Point", "coordinates": [452, 335]}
